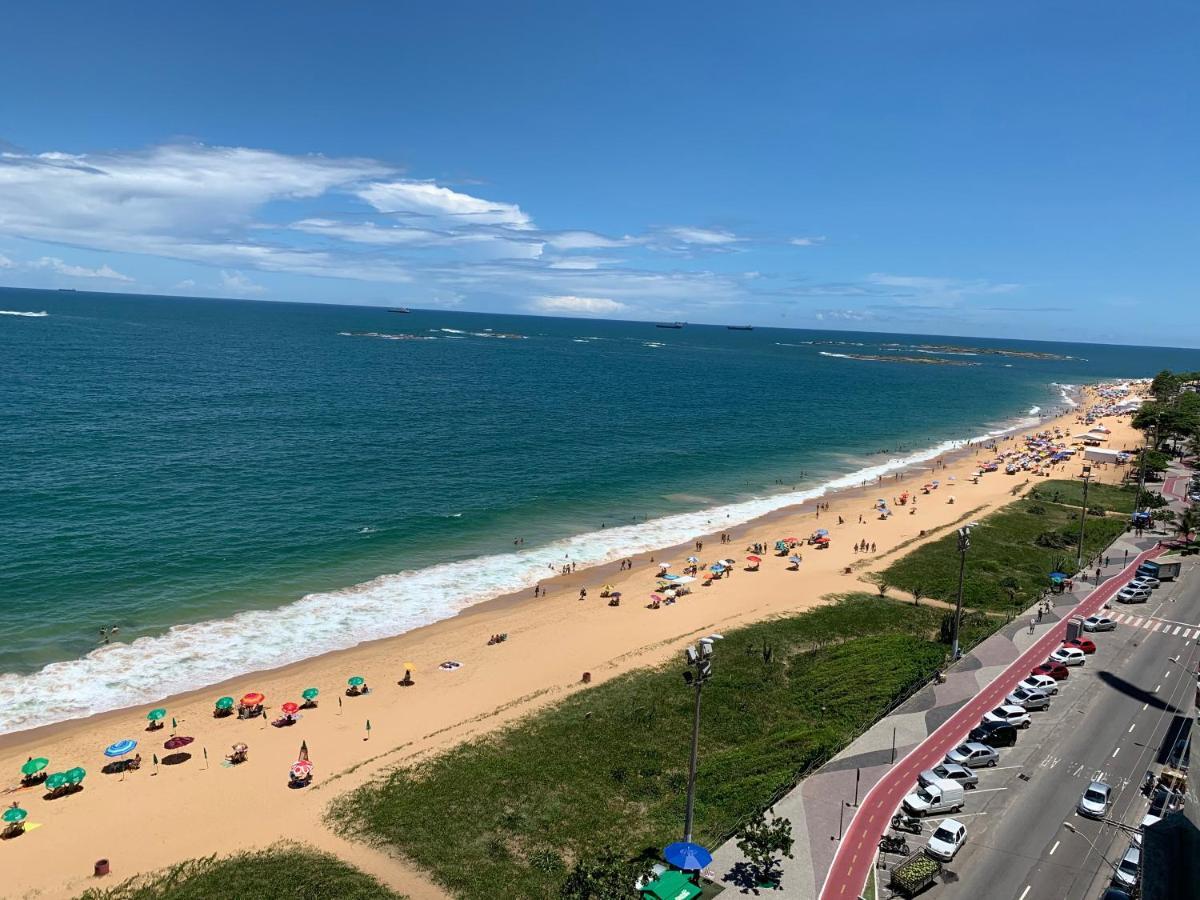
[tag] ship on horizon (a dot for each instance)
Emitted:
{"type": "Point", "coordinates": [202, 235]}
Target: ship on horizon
{"type": "Point", "coordinates": [669, 324]}
{"type": "Point", "coordinates": [740, 327]}
{"type": "Point", "coordinates": [400, 309]}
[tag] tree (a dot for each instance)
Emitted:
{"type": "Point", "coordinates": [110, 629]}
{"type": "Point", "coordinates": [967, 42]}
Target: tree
{"type": "Point", "coordinates": [882, 585]}
{"type": "Point", "coordinates": [1011, 587]}
{"type": "Point", "coordinates": [605, 876]}
{"type": "Point", "coordinates": [761, 840]}
{"type": "Point", "coordinates": [918, 591]}
{"type": "Point", "coordinates": [1166, 385]}
{"type": "Point", "coordinates": [1188, 523]}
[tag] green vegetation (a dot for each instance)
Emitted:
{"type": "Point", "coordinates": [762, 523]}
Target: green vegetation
{"type": "Point", "coordinates": [283, 872]}
{"type": "Point", "coordinates": [1012, 550]}
{"type": "Point", "coordinates": [608, 766]}
{"type": "Point", "coordinates": [1115, 498]}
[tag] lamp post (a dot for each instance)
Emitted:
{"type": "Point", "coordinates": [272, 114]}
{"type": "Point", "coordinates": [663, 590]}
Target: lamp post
{"type": "Point", "coordinates": [699, 670]}
{"type": "Point", "coordinates": [1137, 500]}
{"type": "Point", "coordinates": [964, 544]}
{"type": "Point", "coordinates": [1087, 477]}
{"type": "Point", "coordinates": [1071, 828]}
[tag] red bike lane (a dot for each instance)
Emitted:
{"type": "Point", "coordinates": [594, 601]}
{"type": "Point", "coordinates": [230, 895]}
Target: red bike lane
{"type": "Point", "coordinates": [856, 853]}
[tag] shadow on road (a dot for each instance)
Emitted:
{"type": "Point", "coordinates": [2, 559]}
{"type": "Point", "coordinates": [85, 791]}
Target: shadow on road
{"type": "Point", "coordinates": [1132, 690]}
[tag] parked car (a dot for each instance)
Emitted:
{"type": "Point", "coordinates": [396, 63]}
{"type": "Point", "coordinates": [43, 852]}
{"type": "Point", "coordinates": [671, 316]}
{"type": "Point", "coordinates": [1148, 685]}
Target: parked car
{"type": "Point", "coordinates": [1068, 656]}
{"type": "Point", "coordinates": [973, 754]}
{"type": "Point", "coordinates": [1099, 623]}
{"type": "Point", "coordinates": [1147, 821]}
{"type": "Point", "coordinates": [1029, 699]}
{"type": "Point", "coordinates": [949, 772]}
{"type": "Point", "coordinates": [1096, 799]}
{"type": "Point", "coordinates": [1055, 670]}
{"type": "Point", "coordinates": [1146, 581]}
{"type": "Point", "coordinates": [1126, 874]}
{"type": "Point", "coordinates": [1010, 714]}
{"type": "Point", "coordinates": [1115, 893]}
{"type": "Point", "coordinates": [1087, 645]}
{"type": "Point", "coordinates": [947, 840]}
{"type": "Point", "coordinates": [994, 734]}
{"type": "Point", "coordinates": [1043, 683]}
{"type": "Point", "coordinates": [1130, 594]}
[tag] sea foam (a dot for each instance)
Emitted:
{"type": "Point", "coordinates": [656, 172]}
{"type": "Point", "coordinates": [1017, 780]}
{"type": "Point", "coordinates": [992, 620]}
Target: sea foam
{"type": "Point", "coordinates": [20, 312]}
{"type": "Point", "coordinates": [188, 657]}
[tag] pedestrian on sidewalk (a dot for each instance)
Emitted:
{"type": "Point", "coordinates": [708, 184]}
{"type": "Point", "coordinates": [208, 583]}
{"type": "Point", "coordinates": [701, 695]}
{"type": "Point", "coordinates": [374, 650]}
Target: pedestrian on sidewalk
{"type": "Point", "coordinates": [1032, 623]}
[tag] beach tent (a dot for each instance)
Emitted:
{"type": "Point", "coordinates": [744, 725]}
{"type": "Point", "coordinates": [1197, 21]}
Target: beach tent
{"type": "Point", "coordinates": [671, 885]}
{"type": "Point", "coordinates": [684, 579]}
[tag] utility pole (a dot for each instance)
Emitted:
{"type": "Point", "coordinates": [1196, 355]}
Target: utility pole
{"type": "Point", "coordinates": [964, 544]}
{"type": "Point", "coordinates": [1137, 500]}
{"type": "Point", "coordinates": [1087, 477]}
{"type": "Point", "coordinates": [699, 671]}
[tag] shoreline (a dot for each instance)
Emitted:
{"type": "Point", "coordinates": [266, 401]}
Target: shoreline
{"type": "Point", "coordinates": [133, 821]}
{"type": "Point", "coordinates": [799, 497]}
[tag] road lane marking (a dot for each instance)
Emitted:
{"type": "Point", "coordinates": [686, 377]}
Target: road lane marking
{"type": "Point", "coordinates": [1131, 726]}
{"type": "Point", "coordinates": [1156, 687]}
{"type": "Point", "coordinates": [1176, 631]}
{"type": "Point", "coordinates": [1025, 892]}
{"type": "Point", "coordinates": [1144, 705]}
{"type": "Point", "coordinates": [1055, 847]}
{"type": "Point", "coordinates": [987, 790]}
{"type": "Point", "coordinates": [1115, 752]}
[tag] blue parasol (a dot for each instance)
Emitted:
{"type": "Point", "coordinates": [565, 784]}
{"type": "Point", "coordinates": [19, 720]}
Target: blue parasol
{"type": "Point", "coordinates": [688, 857]}
{"type": "Point", "coordinates": [120, 748]}
{"type": "Point", "coordinates": [821, 532]}
{"type": "Point", "coordinates": [717, 567]}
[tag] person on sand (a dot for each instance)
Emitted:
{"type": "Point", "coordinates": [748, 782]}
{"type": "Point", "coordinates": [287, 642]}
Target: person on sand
{"type": "Point", "coordinates": [583, 593]}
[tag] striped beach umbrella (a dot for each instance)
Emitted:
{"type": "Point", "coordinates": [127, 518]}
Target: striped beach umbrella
{"type": "Point", "coordinates": [120, 748]}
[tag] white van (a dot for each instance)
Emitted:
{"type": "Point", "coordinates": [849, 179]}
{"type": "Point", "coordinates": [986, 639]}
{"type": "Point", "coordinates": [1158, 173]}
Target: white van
{"type": "Point", "coordinates": [941, 796]}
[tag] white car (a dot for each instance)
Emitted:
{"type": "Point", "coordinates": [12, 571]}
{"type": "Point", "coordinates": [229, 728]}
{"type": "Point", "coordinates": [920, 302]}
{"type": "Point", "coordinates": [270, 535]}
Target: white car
{"type": "Point", "coordinates": [1126, 874]}
{"type": "Point", "coordinates": [1099, 623]}
{"type": "Point", "coordinates": [1012, 714]}
{"type": "Point", "coordinates": [947, 840]}
{"type": "Point", "coordinates": [1131, 594]}
{"type": "Point", "coordinates": [1096, 799]}
{"type": "Point", "coordinates": [1069, 656]}
{"type": "Point", "coordinates": [1147, 821]}
{"type": "Point", "coordinates": [1040, 683]}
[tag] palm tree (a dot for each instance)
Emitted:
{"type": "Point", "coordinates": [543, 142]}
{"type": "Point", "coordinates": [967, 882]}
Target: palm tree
{"type": "Point", "coordinates": [1187, 523]}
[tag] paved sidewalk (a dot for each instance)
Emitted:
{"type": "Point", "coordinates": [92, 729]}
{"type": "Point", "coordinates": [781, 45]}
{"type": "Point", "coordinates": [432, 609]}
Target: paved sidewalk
{"type": "Point", "coordinates": [821, 807]}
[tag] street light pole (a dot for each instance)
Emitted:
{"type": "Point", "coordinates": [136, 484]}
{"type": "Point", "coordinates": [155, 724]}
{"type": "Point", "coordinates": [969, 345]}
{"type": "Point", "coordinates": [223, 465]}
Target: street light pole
{"type": "Point", "coordinates": [1087, 477]}
{"type": "Point", "coordinates": [1071, 828]}
{"type": "Point", "coordinates": [699, 671]}
{"type": "Point", "coordinates": [964, 544]}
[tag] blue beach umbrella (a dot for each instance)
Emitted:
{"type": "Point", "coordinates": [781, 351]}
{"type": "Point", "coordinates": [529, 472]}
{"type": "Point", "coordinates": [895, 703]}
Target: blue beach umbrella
{"type": "Point", "coordinates": [822, 532]}
{"type": "Point", "coordinates": [120, 748]}
{"type": "Point", "coordinates": [795, 559]}
{"type": "Point", "coordinates": [717, 567]}
{"type": "Point", "coordinates": [688, 857]}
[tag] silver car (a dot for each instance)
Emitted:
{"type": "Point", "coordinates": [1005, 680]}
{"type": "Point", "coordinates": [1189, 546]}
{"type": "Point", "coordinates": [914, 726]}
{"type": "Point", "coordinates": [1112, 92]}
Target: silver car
{"type": "Point", "coordinates": [973, 754]}
{"type": "Point", "coordinates": [1099, 623]}
{"type": "Point", "coordinates": [1096, 800]}
{"type": "Point", "coordinates": [1028, 699]}
{"type": "Point", "coordinates": [1126, 874]}
{"type": "Point", "coordinates": [949, 772]}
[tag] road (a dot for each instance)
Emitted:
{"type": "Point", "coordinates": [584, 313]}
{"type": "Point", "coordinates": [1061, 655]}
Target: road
{"type": "Point", "coordinates": [856, 852]}
{"type": "Point", "coordinates": [1108, 724]}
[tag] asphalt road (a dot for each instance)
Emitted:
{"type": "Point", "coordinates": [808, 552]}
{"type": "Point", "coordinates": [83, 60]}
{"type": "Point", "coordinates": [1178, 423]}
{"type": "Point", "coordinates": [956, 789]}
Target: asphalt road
{"type": "Point", "coordinates": [1107, 723]}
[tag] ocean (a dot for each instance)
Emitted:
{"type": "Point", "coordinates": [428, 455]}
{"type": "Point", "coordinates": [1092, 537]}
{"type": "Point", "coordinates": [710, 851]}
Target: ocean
{"type": "Point", "coordinates": [238, 485]}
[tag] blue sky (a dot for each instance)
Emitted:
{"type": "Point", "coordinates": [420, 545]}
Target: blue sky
{"type": "Point", "coordinates": [1024, 170]}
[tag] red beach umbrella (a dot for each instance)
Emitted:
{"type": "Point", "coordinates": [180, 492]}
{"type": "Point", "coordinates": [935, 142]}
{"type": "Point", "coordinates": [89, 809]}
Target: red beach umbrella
{"type": "Point", "coordinates": [178, 741]}
{"type": "Point", "coordinates": [290, 708]}
{"type": "Point", "coordinates": [754, 559]}
{"type": "Point", "coordinates": [253, 699]}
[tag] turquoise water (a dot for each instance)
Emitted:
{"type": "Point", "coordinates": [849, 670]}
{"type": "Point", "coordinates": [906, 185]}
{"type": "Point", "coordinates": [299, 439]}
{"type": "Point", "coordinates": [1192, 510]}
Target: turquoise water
{"type": "Point", "coordinates": [170, 461]}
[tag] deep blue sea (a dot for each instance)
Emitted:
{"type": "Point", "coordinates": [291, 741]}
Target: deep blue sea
{"type": "Point", "coordinates": [286, 479]}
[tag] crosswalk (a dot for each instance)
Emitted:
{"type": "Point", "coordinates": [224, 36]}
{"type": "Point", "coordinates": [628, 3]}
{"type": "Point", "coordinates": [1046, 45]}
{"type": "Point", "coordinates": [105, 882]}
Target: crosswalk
{"type": "Point", "coordinates": [1156, 625]}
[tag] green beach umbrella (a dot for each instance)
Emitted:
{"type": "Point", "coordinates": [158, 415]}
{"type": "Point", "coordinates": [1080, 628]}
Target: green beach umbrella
{"type": "Point", "coordinates": [309, 693]}
{"type": "Point", "coordinates": [34, 766]}
{"type": "Point", "coordinates": [155, 714]}
{"type": "Point", "coordinates": [356, 681]}
{"type": "Point", "coordinates": [75, 775]}
{"type": "Point", "coordinates": [15, 814]}
{"type": "Point", "coordinates": [225, 703]}
{"type": "Point", "coordinates": [57, 780]}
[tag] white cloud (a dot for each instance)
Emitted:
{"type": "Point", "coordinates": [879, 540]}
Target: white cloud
{"type": "Point", "coordinates": [585, 240]}
{"type": "Point", "coordinates": [187, 284]}
{"type": "Point", "coordinates": [429, 200]}
{"type": "Point", "coordinates": [472, 243]}
{"type": "Point", "coordinates": [239, 285]}
{"type": "Point", "coordinates": [577, 306]}
{"type": "Point", "coordinates": [5, 262]}
{"type": "Point", "coordinates": [54, 264]}
{"type": "Point", "coordinates": [807, 241]}
{"type": "Point", "coordinates": [712, 237]}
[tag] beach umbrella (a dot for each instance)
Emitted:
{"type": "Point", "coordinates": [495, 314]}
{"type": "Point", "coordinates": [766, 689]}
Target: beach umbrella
{"type": "Point", "coordinates": [156, 714]}
{"type": "Point", "coordinates": [120, 748]}
{"type": "Point", "coordinates": [178, 741]}
{"type": "Point", "coordinates": [75, 775]}
{"type": "Point", "coordinates": [14, 814]}
{"type": "Point", "coordinates": [301, 770]}
{"type": "Point", "coordinates": [56, 781]}
{"type": "Point", "coordinates": [613, 594]}
{"type": "Point", "coordinates": [822, 531]}
{"type": "Point", "coordinates": [754, 559]}
{"type": "Point", "coordinates": [693, 559]}
{"type": "Point", "coordinates": [225, 703]}
{"type": "Point", "coordinates": [687, 856]}
{"type": "Point", "coordinates": [356, 680]}
{"type": "Point", "coordinates": [790, 540]}
{"type": "Point", "coordinates": [606, 587]}
{"type": "Point", "coordinates": [240, 748]}
{"type": "Point", "coordinates": [253, 699]}
{"type": "Point", "coordinates": [33, 766]}
{"type": "Point", "coordinates": [311, 693]}
{"type": "Point", "coordinates": [729, 562]}
{"type": "Point", "coordinates": [290, 708]}
{"type": "Point", "coordinates": [664, 565]}
{"type": "Point", "coordinates": [823, 540]}
{"type": "Point", "coordinates": [717, 567]}
{"type": "Point", "coordinates": [657, 597]}
{"type": "Point", "coordinates": [794, 559]}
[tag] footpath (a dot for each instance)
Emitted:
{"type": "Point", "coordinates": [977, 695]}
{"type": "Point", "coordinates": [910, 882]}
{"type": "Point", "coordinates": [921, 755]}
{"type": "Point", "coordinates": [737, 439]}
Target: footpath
{"type": "Point", "coordinates": [839, 812]}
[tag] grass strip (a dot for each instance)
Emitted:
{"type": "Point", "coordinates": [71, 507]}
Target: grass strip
{"type": "Point", "coordinates": [285, 871]}
{"type": "Point", "coordinates": [608, 766]}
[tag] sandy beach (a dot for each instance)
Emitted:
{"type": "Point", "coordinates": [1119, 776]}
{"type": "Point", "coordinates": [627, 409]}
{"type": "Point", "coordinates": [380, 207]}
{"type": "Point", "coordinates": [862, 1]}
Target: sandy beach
{"type": "Point", "coordinates": [149, 819]}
